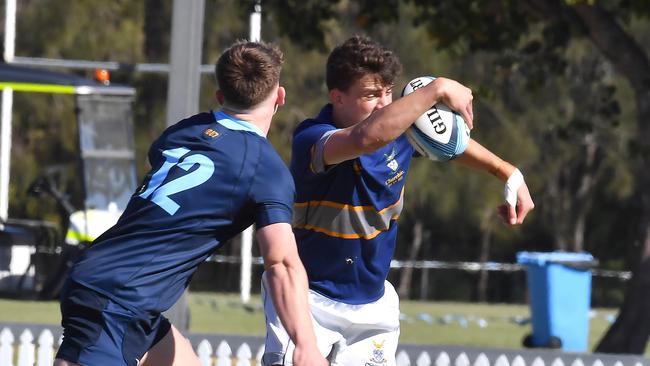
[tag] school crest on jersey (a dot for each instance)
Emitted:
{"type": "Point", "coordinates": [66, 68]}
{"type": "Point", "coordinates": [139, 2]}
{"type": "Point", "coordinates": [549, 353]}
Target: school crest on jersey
{"type": "Point", "coordinates": [210, 133]}
{"type": "Point", "coordinates": [393, 165]}
{"type": "Point", "coordinates": [377, 358]}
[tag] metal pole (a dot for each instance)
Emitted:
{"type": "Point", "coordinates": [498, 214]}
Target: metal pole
{"type": "Point", "coordinates": [247, 236]}
{"type": "Point", "coordinates": [255, 33]}
{"type": "Point", "coordinates": [92, 65]}
{"type": "Point", "coordinates": [7, 108]}
{"type": "Point", "coordinates": [5, 153]}
{"type": "Point", "coordinates": [10, 30]}
{"type": "Point", "coordinates": [184, 76]}
{"type": "Point", "coordinates": [183, 94]}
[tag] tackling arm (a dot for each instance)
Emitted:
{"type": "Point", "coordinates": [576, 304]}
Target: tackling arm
{"type": "Point", "coordinates": [519, 202]}
{"type": "Point", "coordinates": [288, 286]}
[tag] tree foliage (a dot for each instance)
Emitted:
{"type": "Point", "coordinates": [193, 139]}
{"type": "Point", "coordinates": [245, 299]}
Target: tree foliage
{"type": "Point", "coordinates": [561, 89]}
{"type": "Point", "coordinates": [569, 103]}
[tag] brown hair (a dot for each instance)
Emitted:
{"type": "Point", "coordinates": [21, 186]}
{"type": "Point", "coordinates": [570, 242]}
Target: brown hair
{"type": "Point", "coordinates": [247, 72]}
{"type": "Point", "coordinates": [359, 56]}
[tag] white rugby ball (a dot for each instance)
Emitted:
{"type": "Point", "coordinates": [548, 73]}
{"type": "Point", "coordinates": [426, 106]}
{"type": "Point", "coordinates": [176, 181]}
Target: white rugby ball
{"type": "Point", "coordinates": [440, 133]}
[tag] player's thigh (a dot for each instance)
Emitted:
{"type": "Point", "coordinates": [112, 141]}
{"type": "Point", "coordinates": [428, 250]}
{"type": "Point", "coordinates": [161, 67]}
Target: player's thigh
{"type": "Point", "coordinates": [378, 349]}
{"type": "Point", "coordinates": [373, 333]}
{"type": "Point", "coordinates": [172, 350]}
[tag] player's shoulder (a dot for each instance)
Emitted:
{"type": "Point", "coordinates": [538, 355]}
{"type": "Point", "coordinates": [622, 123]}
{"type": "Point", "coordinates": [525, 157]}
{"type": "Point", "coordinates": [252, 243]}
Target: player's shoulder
{"type": "Point", "coordinates": [195, 121]}
{"type": "Point", "coordinates": [309, 132]}
{"type": "Point", "coordinates": [272, 173]}
{"type": "Point", "coordinates": [188, 128]}
{"type": "Point", "coordinates": [270, 158]}
{"type": "Point", "coordinates": [306, 125]}
{"type": "Point", "coordinates": [321, 123]}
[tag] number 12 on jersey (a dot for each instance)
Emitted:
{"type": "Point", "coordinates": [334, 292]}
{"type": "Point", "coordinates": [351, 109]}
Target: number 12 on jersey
{"type": "Point", "coordinates": [160, 193]}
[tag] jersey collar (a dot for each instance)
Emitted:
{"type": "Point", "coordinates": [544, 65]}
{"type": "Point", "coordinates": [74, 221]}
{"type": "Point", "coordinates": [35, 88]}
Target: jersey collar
{"type": "Point", "coordinates": [232, 123]}
{"type": "Point", "coordinates": [325, 114]}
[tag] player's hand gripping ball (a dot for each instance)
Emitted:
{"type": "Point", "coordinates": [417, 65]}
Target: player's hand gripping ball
{"type": "Point", "coordinates": [439, 134]}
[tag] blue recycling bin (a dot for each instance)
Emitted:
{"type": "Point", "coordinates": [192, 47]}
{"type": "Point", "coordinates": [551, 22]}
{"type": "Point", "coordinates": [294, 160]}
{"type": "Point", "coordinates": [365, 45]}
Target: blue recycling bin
{"type": "Point", "coordinates": [559, 286]}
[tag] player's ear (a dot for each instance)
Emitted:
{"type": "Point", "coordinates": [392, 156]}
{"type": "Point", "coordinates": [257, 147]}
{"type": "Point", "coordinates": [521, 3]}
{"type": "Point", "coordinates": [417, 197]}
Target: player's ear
{"type": "Point", "coordinates": [335, 96]}
{"type": "Point", "coordinates": [220, 98]}
{"type": "Point", "coordinates": [282, 94]}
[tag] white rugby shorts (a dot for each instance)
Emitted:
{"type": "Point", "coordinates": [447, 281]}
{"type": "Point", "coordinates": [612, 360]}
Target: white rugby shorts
{"type": "Point", "coordinates": [347, 334]}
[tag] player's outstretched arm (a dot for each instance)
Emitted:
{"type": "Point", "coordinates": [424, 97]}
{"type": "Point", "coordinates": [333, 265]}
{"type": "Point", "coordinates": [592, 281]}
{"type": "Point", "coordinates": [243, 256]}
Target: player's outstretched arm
{"type": "Point", "coordinates": [518, 200]}
{"type": "Point", "coordinates": [388, 123]}
{"type": "Point", "coordinates": [288, 286]}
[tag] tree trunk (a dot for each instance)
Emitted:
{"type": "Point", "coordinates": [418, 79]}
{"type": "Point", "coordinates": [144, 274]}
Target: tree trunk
{"type": "Point", "coordinates": [486, 239]}
{"type": "Point", "coordinates": [404, 289]}
{"type": "Point", "coordinates": [556, 211]}
{"type": "Point", "coordinates": [572, 194]}
{"type": "Point", "coordinates": [630, 332]}
{"type": "Point", "coordinates": [584, 193]}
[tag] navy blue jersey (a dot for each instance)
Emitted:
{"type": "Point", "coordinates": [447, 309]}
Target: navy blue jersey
{"type": "Point", "coordinates": [345, 218]}
{"type": "Point", "coordinates": [212, 176]}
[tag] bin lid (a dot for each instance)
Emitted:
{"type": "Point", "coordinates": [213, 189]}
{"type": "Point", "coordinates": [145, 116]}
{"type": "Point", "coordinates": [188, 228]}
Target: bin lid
{"type": "Point", "coordinates": [544, 258]}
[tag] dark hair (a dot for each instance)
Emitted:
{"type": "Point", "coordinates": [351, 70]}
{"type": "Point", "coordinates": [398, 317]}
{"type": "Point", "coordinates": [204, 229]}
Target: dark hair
{"type": "Point", "coordinates": [247, 72]}
{"type": "Point", "coordinates": [359, 56]}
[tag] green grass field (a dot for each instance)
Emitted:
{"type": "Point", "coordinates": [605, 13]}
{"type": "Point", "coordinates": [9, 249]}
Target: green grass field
{"type": "Point", "coordinates": [422, 323]}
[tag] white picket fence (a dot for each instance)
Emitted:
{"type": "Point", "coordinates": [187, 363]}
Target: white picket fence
{"type": "Point", "coordinates": [42, 354]}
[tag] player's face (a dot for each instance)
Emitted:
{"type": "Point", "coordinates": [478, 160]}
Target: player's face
{"type": "Point", "coordinates": [364, 96]}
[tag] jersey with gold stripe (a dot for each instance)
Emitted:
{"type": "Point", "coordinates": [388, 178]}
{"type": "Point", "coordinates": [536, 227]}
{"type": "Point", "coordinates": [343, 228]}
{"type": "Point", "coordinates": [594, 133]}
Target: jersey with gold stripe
{"type": "Point", "coordinates": [345, 215]}
{"type": "Point", "coordinates": [212, 176]}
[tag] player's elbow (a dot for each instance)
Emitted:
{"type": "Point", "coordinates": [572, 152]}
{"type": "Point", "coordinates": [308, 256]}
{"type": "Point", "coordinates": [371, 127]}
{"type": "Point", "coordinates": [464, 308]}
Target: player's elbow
{"type": "Point", "coordinates": [284, 263]}
{"type": "Point", "coordinates": [285, 271]}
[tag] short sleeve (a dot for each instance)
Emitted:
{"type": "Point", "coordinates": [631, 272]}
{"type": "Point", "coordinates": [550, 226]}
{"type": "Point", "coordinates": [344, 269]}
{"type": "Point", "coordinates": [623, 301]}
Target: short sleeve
{"type": "Point", "coordinates": [404, 141]}
{"type": "Point", "coordinates": [273, 190]}
{"type": "Point", "coordinates": [308, 147]}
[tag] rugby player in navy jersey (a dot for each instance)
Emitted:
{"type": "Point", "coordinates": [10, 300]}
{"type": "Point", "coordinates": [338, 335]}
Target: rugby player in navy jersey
{"type": "Point", "coordinates": [210, 179]}
{"type": "Point", "coordinates": [350, 165]}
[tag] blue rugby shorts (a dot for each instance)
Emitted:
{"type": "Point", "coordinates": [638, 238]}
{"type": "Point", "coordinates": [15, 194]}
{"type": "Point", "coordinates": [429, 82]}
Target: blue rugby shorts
{"type": "Point", "coordinates": [98, 331]}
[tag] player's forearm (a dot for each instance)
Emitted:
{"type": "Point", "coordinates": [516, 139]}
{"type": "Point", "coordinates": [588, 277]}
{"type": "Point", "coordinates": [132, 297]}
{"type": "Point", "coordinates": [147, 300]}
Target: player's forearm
{"type": "Point", "coordinates": [478, 157]}
{"type": "Point", "coordinates": [388, 123]}
{"type": "Point", "coordinates": [382, 127]}
{"type": "Point", "coordinates": [288, 287]}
